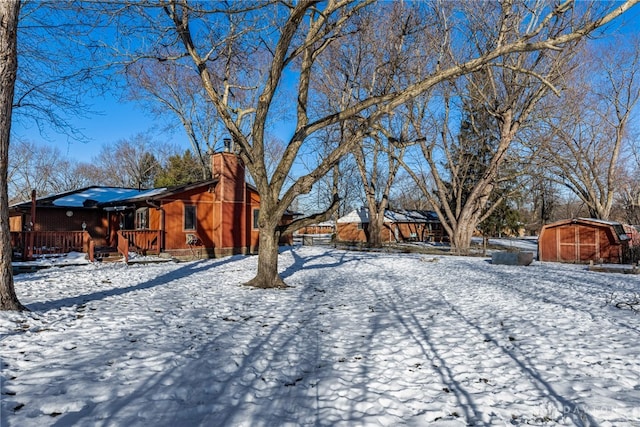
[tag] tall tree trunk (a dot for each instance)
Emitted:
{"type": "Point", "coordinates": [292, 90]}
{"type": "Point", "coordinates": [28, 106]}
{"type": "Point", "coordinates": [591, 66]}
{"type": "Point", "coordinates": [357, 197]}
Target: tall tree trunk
{"type": "Point", "coordinates": [461, 238]}
{"type": "Point", "coordinates": [9, 10]}
{"type": "Point", "coordinates": [375, 230]}
{"type": "Point", "coordinates": [267, 275]}
{"type": "Point", "coordinates": [376, 221]}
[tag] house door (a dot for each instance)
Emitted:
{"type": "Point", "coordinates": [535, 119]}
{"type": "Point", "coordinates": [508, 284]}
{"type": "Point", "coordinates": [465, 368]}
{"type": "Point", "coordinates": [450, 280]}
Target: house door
{"type": "Point", "coordinates": [129, 220]}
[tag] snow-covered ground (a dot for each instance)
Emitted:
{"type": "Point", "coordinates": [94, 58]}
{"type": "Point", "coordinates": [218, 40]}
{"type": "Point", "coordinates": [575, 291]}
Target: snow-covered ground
{"type": "Point", "coordinates": [360, 339]}
{"type": "Point", "coordinates": [44, 261]}
{"type": "Point", "coordinates": [524, 244]}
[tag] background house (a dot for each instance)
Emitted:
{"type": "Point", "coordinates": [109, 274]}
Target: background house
{"type": "Point", "coordinates": [325, 227]}
{"type": "Point", "coordinates": [582, 240]}
{"type": "Point", "coordinates": [399, 226]}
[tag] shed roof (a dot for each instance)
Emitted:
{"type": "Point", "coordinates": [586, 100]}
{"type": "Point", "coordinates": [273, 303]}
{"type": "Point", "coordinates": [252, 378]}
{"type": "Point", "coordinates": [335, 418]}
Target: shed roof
{"type": "Point", "coordinates": [618, 228]}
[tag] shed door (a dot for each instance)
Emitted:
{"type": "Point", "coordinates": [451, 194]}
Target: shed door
{"type": "Point", "coordinates": [578, 243]}
{"type": "Point", "coordinates": [587, 243]}
{"type": "Point", "coordinates": [567, 247]}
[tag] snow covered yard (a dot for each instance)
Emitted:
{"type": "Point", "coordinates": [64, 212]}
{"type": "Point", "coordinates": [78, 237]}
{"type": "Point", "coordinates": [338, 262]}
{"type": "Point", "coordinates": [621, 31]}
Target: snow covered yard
{"type": "Point", "coordinates": [359, 339]}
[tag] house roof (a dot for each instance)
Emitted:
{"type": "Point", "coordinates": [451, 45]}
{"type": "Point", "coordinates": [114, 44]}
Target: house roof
{"type": "Point", "coordinates": [391, 216]}
{"type": "Point", "coordinates": [403, 215]}
{"type": "Point", "coordinates": [104, 197]}
{"type": "Point", "coordinates": [157, 193]}
{"type": "Point", "coordinates": [329, 223]}
{"type": "Point", "coordinates": [86, 197]}
{"type": "Point", "coordinates": [356, 216]}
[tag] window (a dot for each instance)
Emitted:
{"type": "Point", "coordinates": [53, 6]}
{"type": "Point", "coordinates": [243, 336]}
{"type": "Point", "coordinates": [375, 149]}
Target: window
{"type": "Point", "coordinates": [256, 215]}
{"type": "Point", "coordinates": [189, 217]}
{"type": "Point", "coordinates": [142, 219]}
{"type": "Point", "coordinates": [360, 226]}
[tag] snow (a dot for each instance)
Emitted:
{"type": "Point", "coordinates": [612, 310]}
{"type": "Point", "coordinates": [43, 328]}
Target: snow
{"type": "Point", "coordinates": [414, 216]}
{"type": "Point", "coordinates": [359, 339]}
{"type": "Point", "coordinates": [40, 261]}
{"type": "Point", "coordinates": [103, 195]}
{"type": "Point", "coordinates": [357, 216]}
{"type": "Point", "coordinates": [525, 244]}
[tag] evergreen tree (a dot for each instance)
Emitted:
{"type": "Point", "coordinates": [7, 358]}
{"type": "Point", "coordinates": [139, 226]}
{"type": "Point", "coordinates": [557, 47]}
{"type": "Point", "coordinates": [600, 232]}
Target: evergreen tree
{"type": "Point", "coordinates": [180, 170]}
{"type": "Point", "coordinates": [478, 140]}
{"type": "Point", "coordinates": [476, 144]}
{"type": "Point", "coordinates": [504, 219]}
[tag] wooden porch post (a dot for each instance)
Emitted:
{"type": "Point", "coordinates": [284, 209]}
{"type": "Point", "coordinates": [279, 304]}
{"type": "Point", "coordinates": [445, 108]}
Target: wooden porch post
{"type": "Point", "coordinates": [161, 232]}
{"type": "Point", "coordinates": [32, 224]}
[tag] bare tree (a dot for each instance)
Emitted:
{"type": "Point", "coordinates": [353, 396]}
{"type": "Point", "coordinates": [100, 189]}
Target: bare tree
{"type": "Point", "coordinates": [57, 67]}
{"type": "Point", "coordinates": [480, 156]}
{"type": "Point", "coordinates": [628, 197]}
{"type": "Point", "coordinates": [234, 50]}
{"type": "Point", "coordinates": [60, 67]}
{"type": "Point", "coordinates": [9, 11]}
{"type": "Point", "coordinates": [388, 60]}
{"type": "Point", "coordinates": [31, 168]}
{"type": "Point", "coordinates": [378, 179]}
{"type": "Point", "coordinates": [545, 200]}
{"type": "Point", "coordinates": [131, 162]}
{"type": "Point", "coordinates": [589, 132]}
{"type": "Point", "coordinates": [341, 181]}
{"type": "Point", "coordinates": [177, 91]}
{"type": "Point", "coordinates": [405, 196]}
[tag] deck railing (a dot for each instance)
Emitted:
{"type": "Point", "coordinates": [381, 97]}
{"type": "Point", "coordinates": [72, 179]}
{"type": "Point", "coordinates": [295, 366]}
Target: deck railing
{"type": "Point", "coordinates": [38, 243]}
{"type": "Point", "coordinates": [139, 241]}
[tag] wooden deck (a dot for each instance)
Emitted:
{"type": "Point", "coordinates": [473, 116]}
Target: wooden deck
{"type": "Point", "coordinates": [28, 245]}
{"type": "Point", "coordinates": [31, 244]}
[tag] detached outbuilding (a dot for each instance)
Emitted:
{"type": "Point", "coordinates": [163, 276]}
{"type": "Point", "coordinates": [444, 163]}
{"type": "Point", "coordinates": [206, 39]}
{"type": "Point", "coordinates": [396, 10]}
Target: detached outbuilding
{"type": "Point", "coordinates": [583, 240]}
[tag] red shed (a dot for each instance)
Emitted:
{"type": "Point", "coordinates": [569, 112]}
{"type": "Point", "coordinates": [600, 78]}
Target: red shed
{"type": "Point", "coordinates": [582, 240]}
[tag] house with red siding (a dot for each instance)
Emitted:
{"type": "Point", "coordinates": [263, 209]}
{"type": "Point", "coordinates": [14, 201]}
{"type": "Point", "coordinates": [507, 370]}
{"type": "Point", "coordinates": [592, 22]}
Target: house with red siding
{"type": "Point", "coordinates": [399, 226]}
{"type": "Point", "coordinates": [212, 218]}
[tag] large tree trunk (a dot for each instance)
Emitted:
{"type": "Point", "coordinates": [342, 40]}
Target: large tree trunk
{"type": "Point", "coordinates": [376, 222]}
{"type": "Point", "coordinates": [375, 239]}
{"type": "Point", "coordinates": [461, 239]}
{"type": "Point", "coordinates": [267, 275]}
{"type": "Point", "coordinates": [9, 10]}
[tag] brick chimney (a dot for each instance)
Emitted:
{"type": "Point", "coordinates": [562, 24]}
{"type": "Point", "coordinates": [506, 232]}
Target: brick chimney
{"type": "Point", "coordinates": [232, 229]}
{"type": "Point", "coordinates": [229, 170]}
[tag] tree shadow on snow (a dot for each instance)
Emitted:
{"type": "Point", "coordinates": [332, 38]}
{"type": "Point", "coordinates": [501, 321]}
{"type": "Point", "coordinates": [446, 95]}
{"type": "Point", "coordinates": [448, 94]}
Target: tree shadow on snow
{"type": "Point", "coordinates": [182, 272]}
{"type": "Point", "coordinates": [272, 361]}
{"type": "Point", "coordinates": [307, 263]}
{"type": "Point", "coordinates": [270, 378]}
{"type": "Point", "coordinates": [569, 408]}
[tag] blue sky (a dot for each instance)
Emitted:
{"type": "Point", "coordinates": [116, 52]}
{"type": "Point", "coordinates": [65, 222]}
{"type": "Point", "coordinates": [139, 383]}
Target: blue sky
{"type": "Point", "coordinates": [124, 119]}
{"type": "Point", "coordinates": [117, 120]}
